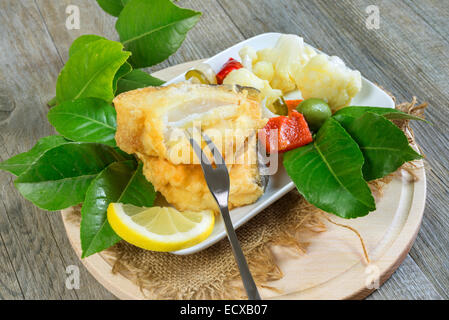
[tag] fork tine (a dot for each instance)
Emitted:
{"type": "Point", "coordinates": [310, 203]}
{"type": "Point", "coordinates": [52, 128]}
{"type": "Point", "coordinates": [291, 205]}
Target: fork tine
{"type": "Point", "coordinates": [219, 161]}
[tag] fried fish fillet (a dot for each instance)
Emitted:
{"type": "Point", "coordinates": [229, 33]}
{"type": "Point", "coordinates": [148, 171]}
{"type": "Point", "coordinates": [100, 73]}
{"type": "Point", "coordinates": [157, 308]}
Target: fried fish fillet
{"type": "Point", "coordinates": [185, 188]}
{"type": "Point", "coordinates": [151, 121]}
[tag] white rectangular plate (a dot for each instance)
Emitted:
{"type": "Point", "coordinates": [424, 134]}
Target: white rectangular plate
{"type": "Point", "coordinates": [279, 184]}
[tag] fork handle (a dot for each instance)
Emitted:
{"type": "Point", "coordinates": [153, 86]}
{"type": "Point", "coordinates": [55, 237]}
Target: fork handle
{"type": "Point", "coordinates": [247, 278]}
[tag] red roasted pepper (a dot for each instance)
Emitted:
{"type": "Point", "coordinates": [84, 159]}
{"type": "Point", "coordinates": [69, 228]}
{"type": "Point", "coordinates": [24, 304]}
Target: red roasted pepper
{"type": "Point", "coordinates": [292, 104]}
{"type": "Point", "coordinates": [229, 66]}
{"type": "Point", "coordinates": [292, 132]}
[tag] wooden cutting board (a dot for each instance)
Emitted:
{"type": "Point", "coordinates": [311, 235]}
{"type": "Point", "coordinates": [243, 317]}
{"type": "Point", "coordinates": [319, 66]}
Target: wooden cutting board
{"type": "Point", "coordinates": [333, 267]}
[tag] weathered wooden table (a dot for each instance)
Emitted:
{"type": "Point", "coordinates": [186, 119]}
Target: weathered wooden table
{"type": "Point", "coordinates": [408, 54]}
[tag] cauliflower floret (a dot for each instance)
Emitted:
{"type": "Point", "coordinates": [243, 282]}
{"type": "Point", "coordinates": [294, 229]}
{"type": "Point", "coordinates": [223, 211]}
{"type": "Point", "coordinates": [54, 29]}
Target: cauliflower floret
{"type": "Point", "coordinates": [288, 55]}
{"type": "Point", "coordinates": [329, 79]}
{"type": "Point", "coordinates": [307, 54]}
{"type": "Point", "coordinates": [248, 56]}
{"type": "Point", "coordinates": [246, 78]}
{"type": "Point", "coordinates": [268, 54]}
{"type": "Point", "coordinates": [290, 48]}
{"type": "Point", "coordinates": [291, 64]}
{"type": "Point", "coordinates": [264, 70]}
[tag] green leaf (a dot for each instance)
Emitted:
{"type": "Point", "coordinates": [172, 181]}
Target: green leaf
{"type": "Point", "coordinates": [124, 155]}
{"type": "Point", "coordinates": [153, 30]}
{"type": "Point", "coordinates": [137, 79]}
{"type": "Point", "coordinates": [61, 176]}
{"type": "Point", "coordinates": [96, 233]}
{"type": "Point", "coordinates": [82, 41]}
{"type": "Point", "coordinates": [90, 72]}
{"type": "Point", "coordinates": [120, 182]}
{"type": "Point", "coordinates": [77, 44]}
{"type": "Point", "coordinates": [113, 7]}
{"type": "Point", "coordinates": [139, 191]}
{"type": "Point", "coordinates": [21, 162]}
{"type": "Point", "coordinates": [384, 146]}
{"type": "Point", "coordinates": [328, 173]}
{"type": "Point", "coordinates": [348, 114]}
{"type": "Point", "coordinates": [85, 120]}
{"type": "Point", "coordinates": [122, 71]}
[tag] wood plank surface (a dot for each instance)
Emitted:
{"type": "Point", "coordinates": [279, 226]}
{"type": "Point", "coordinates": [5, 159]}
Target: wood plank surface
{"type": "Point", "coordinates": [29, 68]}
{"type": "Point", "coordinates": [408, 54]}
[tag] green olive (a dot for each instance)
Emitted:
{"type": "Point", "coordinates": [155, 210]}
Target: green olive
{"type": "Point", "coordinates": [316, 112]}
{"type": "Point", "coordinates": [280, 107]}
{"type": "Point", "coordinates": [196, 76]}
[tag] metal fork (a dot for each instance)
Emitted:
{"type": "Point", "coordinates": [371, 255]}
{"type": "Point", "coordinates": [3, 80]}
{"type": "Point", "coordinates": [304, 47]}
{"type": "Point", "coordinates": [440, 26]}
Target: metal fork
{"type": "Point", "coordinates": [218, 182]}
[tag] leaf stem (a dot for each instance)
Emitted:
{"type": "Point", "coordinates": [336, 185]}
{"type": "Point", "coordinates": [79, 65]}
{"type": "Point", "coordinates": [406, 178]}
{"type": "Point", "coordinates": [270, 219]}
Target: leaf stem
{"type": "Point", "coordinates": [53, 102]}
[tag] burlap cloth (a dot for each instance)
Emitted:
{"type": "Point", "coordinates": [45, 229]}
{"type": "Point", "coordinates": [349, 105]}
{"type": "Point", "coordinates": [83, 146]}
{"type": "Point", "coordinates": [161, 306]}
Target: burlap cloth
{"type": "Point", "coordinates": [212, 273]}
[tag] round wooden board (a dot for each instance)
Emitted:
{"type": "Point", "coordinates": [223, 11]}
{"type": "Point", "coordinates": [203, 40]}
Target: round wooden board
{"type": "Point", "coordinates": [333, 267]}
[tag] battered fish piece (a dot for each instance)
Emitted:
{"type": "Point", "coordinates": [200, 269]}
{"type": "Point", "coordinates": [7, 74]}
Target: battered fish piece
{"type": "Point", "coordinates": [151, 121]}
{"type": "Point", "coordinates": [185, 188]}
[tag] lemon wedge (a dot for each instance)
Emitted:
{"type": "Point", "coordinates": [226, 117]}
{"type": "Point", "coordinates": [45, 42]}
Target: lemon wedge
{"type": "Point", "coordinates": [160, 228]}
